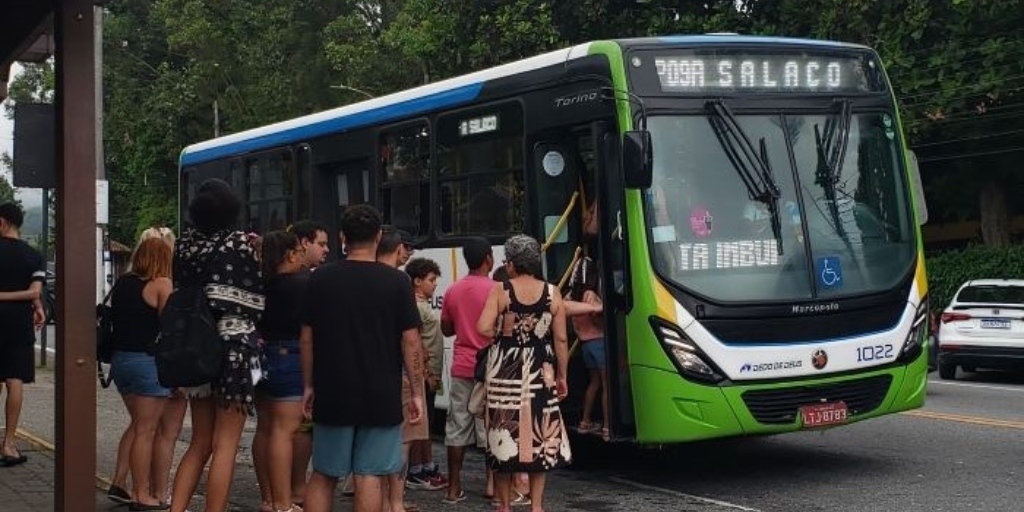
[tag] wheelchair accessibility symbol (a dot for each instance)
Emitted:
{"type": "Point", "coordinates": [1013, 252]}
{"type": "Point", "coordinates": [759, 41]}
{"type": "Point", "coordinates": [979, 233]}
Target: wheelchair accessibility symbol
{"type": "Point", "coordinates": [830, 272]}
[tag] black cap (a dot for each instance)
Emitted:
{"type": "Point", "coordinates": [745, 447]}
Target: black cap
{"type": "Point", "coordinates": [403, 235]}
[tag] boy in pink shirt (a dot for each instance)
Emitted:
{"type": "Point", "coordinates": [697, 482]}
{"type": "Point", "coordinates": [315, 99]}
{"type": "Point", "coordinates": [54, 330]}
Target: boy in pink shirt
{"type": "Point", "coordinates": [460, 311]}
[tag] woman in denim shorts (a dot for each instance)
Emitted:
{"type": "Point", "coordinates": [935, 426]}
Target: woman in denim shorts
{"type": "Point", "coordinates": [137, 300]}
{"type": "Point", "coordinates": [279, 403]}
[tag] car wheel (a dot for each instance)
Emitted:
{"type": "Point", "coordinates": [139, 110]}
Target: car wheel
{"type": "Point", "coordinates": [947, 371]}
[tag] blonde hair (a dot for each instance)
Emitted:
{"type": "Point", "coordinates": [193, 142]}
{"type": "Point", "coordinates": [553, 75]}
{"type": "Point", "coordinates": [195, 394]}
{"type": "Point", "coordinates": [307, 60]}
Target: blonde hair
{"type": "Point", "coordinates": [162, 233]}
{"type": "Point", "coordinates": [152, 259]}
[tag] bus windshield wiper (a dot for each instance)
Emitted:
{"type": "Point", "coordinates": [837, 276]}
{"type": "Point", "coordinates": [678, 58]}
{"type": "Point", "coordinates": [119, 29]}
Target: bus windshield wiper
{"type": "Point", "coordinates": [831, 149]}
{"type": "Point", "coordinates": [751, 164]}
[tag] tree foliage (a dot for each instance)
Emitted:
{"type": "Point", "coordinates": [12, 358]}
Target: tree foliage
{"type": "Point", "coordinates": [173, 66]}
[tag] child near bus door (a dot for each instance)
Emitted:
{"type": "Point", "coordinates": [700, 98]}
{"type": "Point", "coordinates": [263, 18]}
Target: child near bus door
{"type": "Point", "coordinates": [584, 306]}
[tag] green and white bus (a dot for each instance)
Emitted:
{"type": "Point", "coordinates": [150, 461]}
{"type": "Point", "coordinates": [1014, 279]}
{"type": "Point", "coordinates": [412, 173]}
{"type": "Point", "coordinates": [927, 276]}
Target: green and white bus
{"type": "Point", "coordinates": [758, 215]}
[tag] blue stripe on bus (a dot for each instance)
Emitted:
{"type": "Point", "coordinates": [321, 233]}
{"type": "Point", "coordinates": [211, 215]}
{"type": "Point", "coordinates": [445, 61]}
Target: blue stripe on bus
{"type": "Point", "coordinates": [306, 132]}
{"type": "Point", "coordinates": [740, 39]}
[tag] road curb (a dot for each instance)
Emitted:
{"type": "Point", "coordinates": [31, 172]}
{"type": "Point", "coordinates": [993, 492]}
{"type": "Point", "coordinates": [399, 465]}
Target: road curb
{"type": "Point", "coordinates": [102, 482]}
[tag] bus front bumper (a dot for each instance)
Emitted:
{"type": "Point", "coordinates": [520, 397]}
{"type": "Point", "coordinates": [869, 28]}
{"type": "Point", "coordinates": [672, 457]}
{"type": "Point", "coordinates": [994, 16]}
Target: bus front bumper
{"type": "Point", "coordinates": [673, 410]}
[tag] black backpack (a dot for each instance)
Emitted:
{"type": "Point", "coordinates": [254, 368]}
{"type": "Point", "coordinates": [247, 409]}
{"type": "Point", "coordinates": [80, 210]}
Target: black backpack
{"type": "Point", "coordinates": [189, 350]}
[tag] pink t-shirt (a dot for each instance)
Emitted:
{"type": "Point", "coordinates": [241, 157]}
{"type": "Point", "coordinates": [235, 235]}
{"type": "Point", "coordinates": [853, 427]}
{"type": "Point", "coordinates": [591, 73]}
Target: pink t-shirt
{"type": "Point", "coordinates": [462, 305]}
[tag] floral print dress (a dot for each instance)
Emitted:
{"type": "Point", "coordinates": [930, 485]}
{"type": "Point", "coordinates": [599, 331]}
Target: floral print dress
{"type": "Point", "coordinates": [525, 431]}
{"type": "Point", "coordinates": [225, 263]}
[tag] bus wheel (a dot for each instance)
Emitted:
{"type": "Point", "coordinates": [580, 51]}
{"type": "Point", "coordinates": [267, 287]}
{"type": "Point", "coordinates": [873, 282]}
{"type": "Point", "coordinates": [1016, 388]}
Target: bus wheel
{"type": "Point", "coordinates": [947, 371]}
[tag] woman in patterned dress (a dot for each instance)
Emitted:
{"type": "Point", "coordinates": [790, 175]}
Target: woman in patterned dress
{"type": "Point", "coordinates": [526, 374]}
{"type": "Point", "coordinates": [224, 260]}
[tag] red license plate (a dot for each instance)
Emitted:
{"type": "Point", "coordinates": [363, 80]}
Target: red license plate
{"type": "Point", "coordinates": [823, 415]}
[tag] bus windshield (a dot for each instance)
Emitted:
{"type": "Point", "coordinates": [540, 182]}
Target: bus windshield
{"type": "Point", "coordinates": [841, 228]}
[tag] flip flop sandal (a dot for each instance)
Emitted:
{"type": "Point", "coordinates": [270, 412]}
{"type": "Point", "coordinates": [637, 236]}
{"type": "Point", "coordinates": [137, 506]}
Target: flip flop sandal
{"type": "Point", "coordinates": [605, 435]}
{"type": "Point", "coordinates": [453, 501]}
{"type": "Point", "coordinates": [585, 427]}
{"type": "Point", "coordinates": [522, 500]}
{"type": "Point", "coordinates": [8, 461]}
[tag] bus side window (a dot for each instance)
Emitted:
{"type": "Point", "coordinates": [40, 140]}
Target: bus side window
{"type": "Point", "coordinates": [405, 177]}
{"type": "Point", "coordinates": [480, 174]}
{"type": "Point", "coordinates": [269, 198]}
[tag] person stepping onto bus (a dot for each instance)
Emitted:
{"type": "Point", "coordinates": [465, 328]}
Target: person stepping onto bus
{"type": "Point", "coordinates": [361, 327]}
{"type": "Point", "coordinates": [584, 308]}
{"type": "Point", "coordinates": [460, 311]}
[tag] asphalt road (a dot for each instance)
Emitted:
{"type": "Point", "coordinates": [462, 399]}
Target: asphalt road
{"type": "Point", "coordinates": [963, 451]}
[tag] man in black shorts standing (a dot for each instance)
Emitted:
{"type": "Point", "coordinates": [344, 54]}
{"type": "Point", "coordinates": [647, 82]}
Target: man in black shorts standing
{"type": "Point", "coordinates": [21, 269]}
{"type": "Point", "coordinates": [361, 328]}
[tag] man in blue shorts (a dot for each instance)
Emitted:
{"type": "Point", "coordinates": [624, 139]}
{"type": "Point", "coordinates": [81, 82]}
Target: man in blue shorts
{"type": "Point", "coordinates": [361, 328]}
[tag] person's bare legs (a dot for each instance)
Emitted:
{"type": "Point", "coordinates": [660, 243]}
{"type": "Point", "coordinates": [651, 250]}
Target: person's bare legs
{"type": "Point", "coordinates": [124, 449]}
{"type": "Point", "coordinates": [302, 451]}
{"type": "Point", "coordinates": [199, 449]}
{"type": "Point", "coordinates": [369, 493]}
{"type": "Point", "coordinates": [286, 417]}
{"type": "Point", "coordinates": [394, 485]}
{"type": "Point", "coordinates": [12, 414]}
{"type": "Point", "coordinates": [604, 404]}
{"type": "Point", "coordinates": [537, 481]}
{"type": "Point", "coordinates": [320, 493]}
{"type": "Point", "coordinates": [456, 454]}
{"type": "Point", "coordinates": [163, 446]}
{"type": "Point", "coordinates": [503, 489]}
{"type": "Point", "coordinates": [227, 434]}
{"type": "Point", "coordinates": [521, 483]}
{"type": "Point", "coordinates": [260, 447]}
{"type": "Point", "coordinates": [145, 412]}
{"type": "Point", "coordinates": [590, 396]}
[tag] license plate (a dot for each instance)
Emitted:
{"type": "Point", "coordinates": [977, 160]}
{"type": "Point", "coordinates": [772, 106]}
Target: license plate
{"type": "Point", "coordinates": [994, 323]}
{"type": "Point", "coordinates": [823, 415]}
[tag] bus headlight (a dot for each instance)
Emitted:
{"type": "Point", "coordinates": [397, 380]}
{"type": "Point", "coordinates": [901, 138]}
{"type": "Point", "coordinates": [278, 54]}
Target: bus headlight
{"type": "Point", "coordinates": [690, 360]}
{"type": "Point", "coordinates": [913, 345]}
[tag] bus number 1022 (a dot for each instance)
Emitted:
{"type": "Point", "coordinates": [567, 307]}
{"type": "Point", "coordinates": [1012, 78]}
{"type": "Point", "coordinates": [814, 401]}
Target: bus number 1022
{"type": "Point", "coordinates": [874, 353]}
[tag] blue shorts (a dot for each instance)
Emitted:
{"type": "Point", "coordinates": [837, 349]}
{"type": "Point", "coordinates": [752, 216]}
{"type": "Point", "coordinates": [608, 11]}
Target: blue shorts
{"type": "Point", "coordinates": [134, 373]}
{"type": "Point", "coordinates": [284, 371]}
{"type": "Point", "coordinates": [593, 354]}
{"type": "Point", "coordinates": [364, 451]}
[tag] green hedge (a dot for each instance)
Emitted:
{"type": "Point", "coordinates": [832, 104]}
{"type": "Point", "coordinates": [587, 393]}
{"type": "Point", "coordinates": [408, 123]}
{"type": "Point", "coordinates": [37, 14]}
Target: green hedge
{"type": "Point", "coordinates": [948, 270]}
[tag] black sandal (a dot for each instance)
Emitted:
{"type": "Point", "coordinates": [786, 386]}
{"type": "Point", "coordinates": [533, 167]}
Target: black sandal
{"type": "Point", "coordinates": [8, 461]}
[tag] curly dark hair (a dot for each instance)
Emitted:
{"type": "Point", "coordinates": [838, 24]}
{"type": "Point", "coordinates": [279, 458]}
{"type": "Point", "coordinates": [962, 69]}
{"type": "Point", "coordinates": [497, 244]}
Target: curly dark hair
{"type": "Point", "coordinates": [215, 206]}
{"type": "Point", "coordinates": [420, 268]}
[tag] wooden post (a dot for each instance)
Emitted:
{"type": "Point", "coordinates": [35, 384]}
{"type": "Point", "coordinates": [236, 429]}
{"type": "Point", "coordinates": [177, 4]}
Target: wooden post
{"type": "Point", "coordinates": [76, 257]}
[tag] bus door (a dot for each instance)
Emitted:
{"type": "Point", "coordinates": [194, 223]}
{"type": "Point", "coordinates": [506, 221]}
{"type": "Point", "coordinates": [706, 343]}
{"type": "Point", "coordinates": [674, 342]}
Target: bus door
{"type": "Point", "coordinates": [569, 171]}
{"type": "Point", "coordinates": [350, 186]}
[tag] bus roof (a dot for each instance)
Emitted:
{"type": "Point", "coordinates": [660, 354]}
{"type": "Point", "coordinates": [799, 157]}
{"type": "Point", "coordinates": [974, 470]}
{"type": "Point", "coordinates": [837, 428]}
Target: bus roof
{"type": "Point", "coordinates": [446, 93]}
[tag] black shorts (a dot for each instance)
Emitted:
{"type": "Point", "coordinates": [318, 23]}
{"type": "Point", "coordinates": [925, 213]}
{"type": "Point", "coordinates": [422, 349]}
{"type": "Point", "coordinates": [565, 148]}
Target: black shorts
{"type": "Point", "coordinates": [17, 361]}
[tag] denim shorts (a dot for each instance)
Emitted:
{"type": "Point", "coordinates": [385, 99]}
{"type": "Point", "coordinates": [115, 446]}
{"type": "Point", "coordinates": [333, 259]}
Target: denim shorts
{"type": "Point", "coordinates": [364, 451]}
{"type": "Point", "coordinates": [134, 373]}
{"type": "Point", "coordinates": [593, 354]}
{"type": "Point", "coordinates": [284, 371]}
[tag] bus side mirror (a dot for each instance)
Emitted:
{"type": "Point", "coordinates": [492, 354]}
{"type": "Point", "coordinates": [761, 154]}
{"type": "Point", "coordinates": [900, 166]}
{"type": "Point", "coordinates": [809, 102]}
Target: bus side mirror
{"type": "Point", "coordinates": [917, 188]}
{"type": "Point", "coordinates": [636, 159]}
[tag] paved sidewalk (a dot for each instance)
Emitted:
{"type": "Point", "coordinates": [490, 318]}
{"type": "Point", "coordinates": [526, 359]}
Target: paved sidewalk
{"type": "Point", "coordinates": [29, 487]}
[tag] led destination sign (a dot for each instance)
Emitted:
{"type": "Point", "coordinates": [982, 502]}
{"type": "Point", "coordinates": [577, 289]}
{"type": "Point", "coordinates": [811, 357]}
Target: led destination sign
{"type": "Point", "coordinates": [710, 72]}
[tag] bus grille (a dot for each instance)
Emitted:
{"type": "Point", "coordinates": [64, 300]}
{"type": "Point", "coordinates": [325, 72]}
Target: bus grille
{"type": "Point", "coordinates": [781, 406]}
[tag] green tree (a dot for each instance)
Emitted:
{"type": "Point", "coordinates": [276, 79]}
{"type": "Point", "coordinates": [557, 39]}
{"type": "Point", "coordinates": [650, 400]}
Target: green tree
{"type": "Point", "coordinates": [7, 192]}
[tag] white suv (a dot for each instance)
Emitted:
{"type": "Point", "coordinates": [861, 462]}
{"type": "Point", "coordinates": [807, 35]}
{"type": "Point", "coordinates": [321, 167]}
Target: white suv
{"type": "Point", "coordinates": [983, 327]}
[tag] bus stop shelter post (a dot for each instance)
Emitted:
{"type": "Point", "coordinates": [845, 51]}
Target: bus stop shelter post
{"type": "Point", "coordinates": [76, 257]}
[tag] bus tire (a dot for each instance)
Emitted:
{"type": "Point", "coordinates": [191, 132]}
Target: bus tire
{"type": "Point", "coordinates": [947, 371]}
